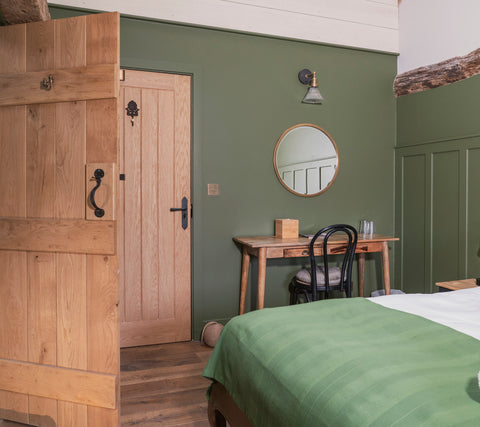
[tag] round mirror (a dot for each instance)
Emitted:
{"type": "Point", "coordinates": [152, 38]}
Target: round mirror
{"type": "Point", "coordinates": [306, 160]}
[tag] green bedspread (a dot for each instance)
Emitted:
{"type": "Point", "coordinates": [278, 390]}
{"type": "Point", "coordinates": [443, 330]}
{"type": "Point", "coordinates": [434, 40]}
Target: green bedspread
{"type": "Point", "coordinates": [347, 363]}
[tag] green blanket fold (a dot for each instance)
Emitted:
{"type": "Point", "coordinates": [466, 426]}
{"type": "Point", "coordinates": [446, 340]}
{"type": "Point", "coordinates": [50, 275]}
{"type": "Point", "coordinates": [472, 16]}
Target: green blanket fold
{"type": "Point", "coordinates": [347, 362]}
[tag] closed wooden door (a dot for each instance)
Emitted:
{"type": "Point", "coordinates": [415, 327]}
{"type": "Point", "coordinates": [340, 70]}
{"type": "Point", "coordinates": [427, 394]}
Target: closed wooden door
{"type": "Point", "coordinates": [59, 346]}
{"type": "Point", "coordinates": [155, 297]}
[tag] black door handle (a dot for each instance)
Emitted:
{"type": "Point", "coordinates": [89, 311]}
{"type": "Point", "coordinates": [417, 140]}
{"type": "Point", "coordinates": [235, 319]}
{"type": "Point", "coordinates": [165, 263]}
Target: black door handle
{"type": "Point", "coordinates": [184, 210]}
{"type": "Point", "coordinates": [97, 175]}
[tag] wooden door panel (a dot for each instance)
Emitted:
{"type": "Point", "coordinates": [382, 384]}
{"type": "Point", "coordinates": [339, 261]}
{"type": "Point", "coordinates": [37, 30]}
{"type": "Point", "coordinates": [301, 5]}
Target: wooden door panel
{"type": "Point", "coordinates": [132, 215]}
{"type": "Point", "coordinates": [155, 278]}
{"type": "Point", "coordinates": [40, 161]}
{"type": "Point", "coordinates": [40, 46]}
{"type": "Point", "coordinates": [12, 157]}
{"type": "Point", "coordinates": [167, 224]}
{"type": "Point", "coordinates": [13, 321]}
{"type": "Point", "coordinates": [92, 82]}
{"type": "Point", "coordinates": [70, 159]}
{"type": "Point", "coordinates": [57, 235]}
{"type": "Point", "coordinates": [77, 386]}
{"type": "Point", "coordinates": [59, 348]}
{"type": "Point", "coordinates": [182, 188]}
{"type": "Point", "coordinates": [42, 345]}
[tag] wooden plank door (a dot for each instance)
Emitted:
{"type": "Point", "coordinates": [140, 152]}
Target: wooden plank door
{"type": "Point", "coordinates": [59, 333]}
{"type": "Point", "coordinates": [155, 294]}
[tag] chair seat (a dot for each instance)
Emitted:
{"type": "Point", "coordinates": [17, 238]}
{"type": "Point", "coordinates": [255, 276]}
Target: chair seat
{"type": "Point", "coordinates": [302, 283]}
{"type": "Point", "coordinates": [334, 274]}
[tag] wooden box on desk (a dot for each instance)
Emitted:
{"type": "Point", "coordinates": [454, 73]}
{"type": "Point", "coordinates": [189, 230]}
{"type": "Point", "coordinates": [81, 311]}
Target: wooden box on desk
{"type": "Point", "coordinates": [286, 228]}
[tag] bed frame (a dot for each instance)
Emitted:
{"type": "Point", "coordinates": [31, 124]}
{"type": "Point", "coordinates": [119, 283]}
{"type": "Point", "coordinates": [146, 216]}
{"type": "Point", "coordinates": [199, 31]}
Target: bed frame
{"type": "Point", "coordinates": [222, 409]}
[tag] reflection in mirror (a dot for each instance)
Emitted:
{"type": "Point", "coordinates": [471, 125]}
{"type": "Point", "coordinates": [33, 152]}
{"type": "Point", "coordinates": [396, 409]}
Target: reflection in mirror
{"type": "Point", "coordinates": [306, 160]}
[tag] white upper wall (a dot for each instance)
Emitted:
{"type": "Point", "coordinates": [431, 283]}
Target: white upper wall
{"type": "Point", "coordinates": [432, 31]}
{"type": "Point", "coordinates": [366, 24]}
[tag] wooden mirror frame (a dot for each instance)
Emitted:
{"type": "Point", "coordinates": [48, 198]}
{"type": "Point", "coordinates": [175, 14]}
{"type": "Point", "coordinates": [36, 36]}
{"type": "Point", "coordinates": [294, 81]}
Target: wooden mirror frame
{"type": "Point", "coordinates": [275, 159]}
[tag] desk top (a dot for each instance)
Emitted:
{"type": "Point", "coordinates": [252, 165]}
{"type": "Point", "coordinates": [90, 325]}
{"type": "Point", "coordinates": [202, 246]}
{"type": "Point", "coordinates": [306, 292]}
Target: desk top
{"type": "Point", "coordinates": [272, 241]}
{"type": "Point", "coordinates": [456, 285]}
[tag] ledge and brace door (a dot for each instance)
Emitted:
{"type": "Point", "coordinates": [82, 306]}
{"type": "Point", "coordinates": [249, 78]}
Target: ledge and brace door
{"type": "Point", "coordinates": [155, 295]}
{"type": "Point", "coordinates": [59, 346]}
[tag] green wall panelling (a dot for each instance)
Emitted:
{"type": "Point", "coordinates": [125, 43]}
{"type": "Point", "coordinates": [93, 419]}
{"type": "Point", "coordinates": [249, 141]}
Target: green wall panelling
{"type": "Point", "coordinates": [412, 228]}
{"type": "Point", "coordinates": [245, 94]}
{"type": "Point", "coordinates": [473, 213]}
{"type": "Point", "coordinates": [437, 187]}
{"type": "Point", "coordinates": [442, 125]}
{"type": "Point", "coordinates": [442, 114]}
{"type": "Point", "coordinates": [445, 187]}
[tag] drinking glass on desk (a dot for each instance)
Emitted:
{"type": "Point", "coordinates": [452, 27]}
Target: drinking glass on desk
{"type": "Point", "coordinates": [367, 227]}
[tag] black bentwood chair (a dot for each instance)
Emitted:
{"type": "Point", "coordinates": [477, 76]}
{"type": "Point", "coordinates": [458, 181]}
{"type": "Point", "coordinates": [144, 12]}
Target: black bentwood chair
{"type": "Point", "coordinates": [322, 278]}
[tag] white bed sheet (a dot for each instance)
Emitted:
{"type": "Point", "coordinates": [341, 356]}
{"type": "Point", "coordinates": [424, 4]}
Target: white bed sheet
{"type": "Point", "coordinates": [459, 310]}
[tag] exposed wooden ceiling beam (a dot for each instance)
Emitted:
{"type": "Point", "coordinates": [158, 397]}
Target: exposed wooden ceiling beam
{"type": "Point", "coordinates": [436, 75]}
{"type": "Point", "coordinates": [20, 11]}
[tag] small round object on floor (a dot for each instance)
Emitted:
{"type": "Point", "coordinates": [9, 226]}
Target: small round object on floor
{"type": "Point", "coordinates": [210, 333]}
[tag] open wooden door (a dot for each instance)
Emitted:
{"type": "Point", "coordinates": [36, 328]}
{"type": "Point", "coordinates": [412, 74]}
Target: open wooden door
{"type": "Point", "coordinates": [59, 333]}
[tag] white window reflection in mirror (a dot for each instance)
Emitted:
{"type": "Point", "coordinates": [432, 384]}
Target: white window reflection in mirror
{"type": "Point", "coordinates": [306, 160]}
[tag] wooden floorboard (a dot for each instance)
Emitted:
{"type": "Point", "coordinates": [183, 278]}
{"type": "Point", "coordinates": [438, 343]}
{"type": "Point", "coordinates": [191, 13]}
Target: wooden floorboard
{"type": "Point", "coordinates": [161, 385]}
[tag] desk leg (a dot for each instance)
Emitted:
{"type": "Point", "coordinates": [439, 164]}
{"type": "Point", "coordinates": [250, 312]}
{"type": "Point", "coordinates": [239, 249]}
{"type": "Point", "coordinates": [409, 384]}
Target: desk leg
{"type": "Point", "coordinates": [361, 273]}
{"type": "Point", "coordinates": [244, 279]}
{"type": "Point", "coordinates": [262, 267]}
{"type": "Point", "coordinates": [386, 268]}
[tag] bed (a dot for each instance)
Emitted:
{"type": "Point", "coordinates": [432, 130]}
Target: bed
{"type": "Point", "coordinates": [398, 360]}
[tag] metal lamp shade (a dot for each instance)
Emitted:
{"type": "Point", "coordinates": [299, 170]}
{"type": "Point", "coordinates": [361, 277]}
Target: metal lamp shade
{"type": "Point", "coordinates": [313, 96]}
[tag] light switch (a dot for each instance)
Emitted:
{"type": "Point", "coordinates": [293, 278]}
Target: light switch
{"type": "Point", "coordinates": [213, 189]}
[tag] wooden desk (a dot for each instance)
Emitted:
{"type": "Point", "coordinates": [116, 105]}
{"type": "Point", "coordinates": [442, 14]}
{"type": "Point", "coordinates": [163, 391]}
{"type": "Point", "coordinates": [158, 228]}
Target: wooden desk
{"type": "Point", "coordinates": [266, 247]}
{"type": "Point", "coordinates": [456, 285]}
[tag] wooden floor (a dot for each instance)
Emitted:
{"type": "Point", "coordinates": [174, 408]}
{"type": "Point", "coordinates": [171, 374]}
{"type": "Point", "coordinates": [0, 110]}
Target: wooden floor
{"type": "Point", "coordinates": [162, 385]}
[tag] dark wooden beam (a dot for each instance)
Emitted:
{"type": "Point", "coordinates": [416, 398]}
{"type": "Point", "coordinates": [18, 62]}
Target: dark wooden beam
{"type": "Point", "coordinates": [21, 11]}
{"type": "Point", "coordinates": [436, 75]}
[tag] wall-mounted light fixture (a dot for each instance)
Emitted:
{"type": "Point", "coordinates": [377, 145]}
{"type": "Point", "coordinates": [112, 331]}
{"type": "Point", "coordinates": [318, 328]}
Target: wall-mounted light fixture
{"type": "Point", "coordinates": [313, 95]}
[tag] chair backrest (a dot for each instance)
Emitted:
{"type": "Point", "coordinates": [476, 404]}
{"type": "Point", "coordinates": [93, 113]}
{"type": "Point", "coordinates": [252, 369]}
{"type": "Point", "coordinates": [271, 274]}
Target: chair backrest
{"type": "Point", "coordinates": [346, 270]}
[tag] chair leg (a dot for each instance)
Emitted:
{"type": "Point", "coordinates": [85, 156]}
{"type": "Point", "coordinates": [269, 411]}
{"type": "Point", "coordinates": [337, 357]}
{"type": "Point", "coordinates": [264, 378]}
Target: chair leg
{"type": "Point", "coordinates": [293, 298]}
{"type": "Point", "coordinates": [293, 294]}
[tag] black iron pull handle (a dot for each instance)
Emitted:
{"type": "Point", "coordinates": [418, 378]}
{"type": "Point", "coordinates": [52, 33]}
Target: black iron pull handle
{"type": "Point", "coordinates": [97, 175]}
{"type": "Point", "coordinates": [184, 210]}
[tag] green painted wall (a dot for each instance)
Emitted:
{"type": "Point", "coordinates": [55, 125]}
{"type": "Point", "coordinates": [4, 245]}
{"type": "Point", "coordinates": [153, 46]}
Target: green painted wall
{"type": "Point", "coordinates": [245, 94]}
{"type": "Point", "coordinates": [438, 186]}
